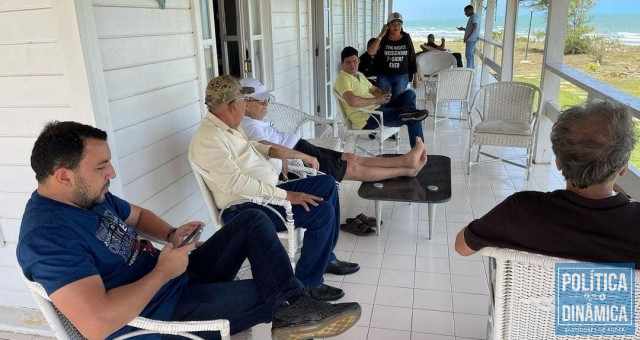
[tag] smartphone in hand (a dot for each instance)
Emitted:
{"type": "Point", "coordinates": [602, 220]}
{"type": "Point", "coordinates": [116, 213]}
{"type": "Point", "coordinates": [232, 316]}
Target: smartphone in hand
{"type": "Point", "coordinates": [193, 237]}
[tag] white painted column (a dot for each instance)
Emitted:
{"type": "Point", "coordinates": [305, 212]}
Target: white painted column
{"type": "Point", "coordinates": [509, 40]}
{"type": "Point", "coordinates": [95, 96]}
{"type": "Point", "coordinates": [550, 83]}
{"type": "Point", "coordinates": [486, 48]}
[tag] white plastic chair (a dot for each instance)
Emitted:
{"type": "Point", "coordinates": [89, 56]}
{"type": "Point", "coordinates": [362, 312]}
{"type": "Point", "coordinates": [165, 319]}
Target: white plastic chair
{"type": "Point", "coordinates": [292, 235]}
{"type": "Point", "coordinates": [454, 85]}
{"type": "Point", "coordinates": [508, 113]}
{"type": "Point", "coordinates": [291, 120]}
{"type": "Point", "coordinates": [63, 329]}
{"type": "Point", "coordinates": [523, 296]}
{"type": "Point", "coordinates": [382, 132]}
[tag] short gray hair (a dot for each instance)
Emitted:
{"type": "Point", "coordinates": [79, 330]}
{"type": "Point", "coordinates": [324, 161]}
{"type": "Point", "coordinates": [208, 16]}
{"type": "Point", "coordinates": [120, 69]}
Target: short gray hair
{"type": "Point", "coordinates": [593, 142]}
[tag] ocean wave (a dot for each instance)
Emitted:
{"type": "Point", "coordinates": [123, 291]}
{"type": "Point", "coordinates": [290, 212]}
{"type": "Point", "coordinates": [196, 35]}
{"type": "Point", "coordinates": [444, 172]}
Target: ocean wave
{"type": "Point", "coordinates": [627, 38]}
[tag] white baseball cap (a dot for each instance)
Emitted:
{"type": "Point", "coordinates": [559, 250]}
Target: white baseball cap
{"type": "Point", "coordinates": [394, 16]}
{"type": "Point", "coordinates": [260, 92]}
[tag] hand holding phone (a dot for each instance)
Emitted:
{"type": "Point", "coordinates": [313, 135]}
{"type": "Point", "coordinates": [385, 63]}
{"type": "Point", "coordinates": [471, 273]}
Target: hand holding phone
{"type": "Point", "coordinates": [193, 237]}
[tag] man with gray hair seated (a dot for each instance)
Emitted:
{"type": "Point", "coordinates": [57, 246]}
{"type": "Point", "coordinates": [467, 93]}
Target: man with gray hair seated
{"type": "Point", "coordinates": [587, 221]}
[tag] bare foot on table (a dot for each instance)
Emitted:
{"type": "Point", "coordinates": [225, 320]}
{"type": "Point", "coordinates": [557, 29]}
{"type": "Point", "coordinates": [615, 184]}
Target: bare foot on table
{"type": "Point", "coordinates": [421, 164]}
{"type": "Point", "coordinates": [415, 154]}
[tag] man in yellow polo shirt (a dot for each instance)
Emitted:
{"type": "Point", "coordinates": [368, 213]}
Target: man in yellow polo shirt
{"type": "Point", "coordinates": [357, 91]}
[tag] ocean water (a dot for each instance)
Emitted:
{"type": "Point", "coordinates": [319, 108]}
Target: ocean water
{"type": "Point", "coordinates": [625, 27]}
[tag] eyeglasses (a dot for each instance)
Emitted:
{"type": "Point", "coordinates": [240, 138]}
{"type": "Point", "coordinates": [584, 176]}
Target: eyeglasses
{"type": "Point", "coordinates": [262, 102]}
{"type": "Point", "coordinates": [244, 99]}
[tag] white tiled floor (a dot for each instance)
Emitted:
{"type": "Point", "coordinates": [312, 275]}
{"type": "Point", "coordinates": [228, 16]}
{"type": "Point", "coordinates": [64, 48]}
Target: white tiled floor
{"type": "Point", "coordinates": [419, 289]}
{"type": "Point", "coordinates": [16, 336]}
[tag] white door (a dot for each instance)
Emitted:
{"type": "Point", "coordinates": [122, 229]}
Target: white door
{"type": "Point", "coordinates": [241, 38]}
{"type": "Point", "coordinates": [322, 39]}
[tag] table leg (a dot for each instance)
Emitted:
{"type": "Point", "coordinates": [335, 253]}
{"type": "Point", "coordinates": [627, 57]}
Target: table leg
{"type": "Point", "coordinates": [378, 216]}
{"type": "Point", "coordinates": [432, 217]}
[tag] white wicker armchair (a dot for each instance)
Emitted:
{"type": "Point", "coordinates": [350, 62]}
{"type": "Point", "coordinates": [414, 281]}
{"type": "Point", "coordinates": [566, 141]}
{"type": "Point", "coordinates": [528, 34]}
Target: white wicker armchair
{"type": "Point", "coordinates": [523, 295]}
{"type": "Point", "coordinates": [454, 85]}
{"type": "Point", "coordinates": [292, 235]}
{"type": "Point", "coordinates": [291, 120]}
{"type": "Point", "coordinates": [382, 132]}
{"type": "Point", "coordinates": [508, 113]}
{"type": "Point", "coordinates": [63, 329]}
{"type": "Point", "coordinates": [432, 62]}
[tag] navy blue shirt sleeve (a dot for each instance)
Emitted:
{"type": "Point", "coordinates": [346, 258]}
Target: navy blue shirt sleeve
{"type": "Point", "coordinates": [55, 258]}
{"type": "Point", "coordinates": [122, 208]}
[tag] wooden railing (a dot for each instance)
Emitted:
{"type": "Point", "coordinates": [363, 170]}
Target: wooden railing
{"type": "Point", "coordinates": [490, 59]}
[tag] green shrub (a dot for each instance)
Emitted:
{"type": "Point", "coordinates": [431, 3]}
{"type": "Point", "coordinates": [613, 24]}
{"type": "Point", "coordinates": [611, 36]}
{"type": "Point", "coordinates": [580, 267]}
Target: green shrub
{"type": "Point", "coordinates": [539, 35]}
{"type": "Point", "coordinates": [600, 45]}
{"type": "Point", "coordinates": [593, 66]}
{"type": "Point", "coordinates": [577, 43]}
{"type": "Point", "coordinates": [497, 35]}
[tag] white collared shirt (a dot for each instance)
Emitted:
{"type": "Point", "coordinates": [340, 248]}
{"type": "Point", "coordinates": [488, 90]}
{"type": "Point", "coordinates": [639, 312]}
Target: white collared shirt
{"type": "Point", "coordinates": [237, 165]}
{"type": "Point", "coordinates": [258, 130]}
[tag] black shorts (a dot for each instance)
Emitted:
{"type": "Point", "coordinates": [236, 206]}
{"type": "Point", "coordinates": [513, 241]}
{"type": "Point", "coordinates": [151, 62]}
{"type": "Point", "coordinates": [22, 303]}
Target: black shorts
{"type": "Point", "coordinates": [331, 162]}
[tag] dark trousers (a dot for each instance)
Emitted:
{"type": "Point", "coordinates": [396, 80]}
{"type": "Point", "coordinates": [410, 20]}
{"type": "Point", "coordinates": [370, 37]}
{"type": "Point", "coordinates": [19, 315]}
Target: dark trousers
{"type": "Point", "coordinates": [391, 111]}
{"type": "Point", "coordinates": [331, 162]}
{"type": "Point", "coordinates": [395, 84]}
{"type": "Point", "coordinates": [458, 57]}
{"type": "Point", "coordinates": [322, 224]}
{"type": "Point", "coordinates": [211, 292]}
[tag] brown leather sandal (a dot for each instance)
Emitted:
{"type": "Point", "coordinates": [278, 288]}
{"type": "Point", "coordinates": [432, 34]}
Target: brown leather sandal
{"type": "Point", "coordinates": [357, 228]}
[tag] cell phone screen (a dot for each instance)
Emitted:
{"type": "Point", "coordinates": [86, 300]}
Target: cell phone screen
{"type": "Point", "coordinates": [193, 237]}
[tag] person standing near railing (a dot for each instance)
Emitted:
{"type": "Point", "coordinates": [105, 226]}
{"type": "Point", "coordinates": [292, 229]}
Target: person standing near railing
{"type": "Point", "coordinates": [470, 35]}
{"type": "Point", "coordinates": [395, 58]}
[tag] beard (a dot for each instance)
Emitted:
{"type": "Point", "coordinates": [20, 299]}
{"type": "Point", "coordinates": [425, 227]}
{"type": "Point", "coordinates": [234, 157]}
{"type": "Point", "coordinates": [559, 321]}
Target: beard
{"type": "Point", "coordinates": [83, 198]}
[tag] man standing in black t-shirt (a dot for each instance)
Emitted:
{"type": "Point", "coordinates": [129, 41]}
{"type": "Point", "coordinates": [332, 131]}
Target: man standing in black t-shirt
{"type": "Point", "coordinates": [587, 221]}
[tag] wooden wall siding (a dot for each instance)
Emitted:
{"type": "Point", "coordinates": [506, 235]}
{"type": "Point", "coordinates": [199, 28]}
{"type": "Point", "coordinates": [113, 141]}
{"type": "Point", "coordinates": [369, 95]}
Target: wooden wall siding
{"type": "Point", "coordinates": [16, 27]}
{"type": "Point", "coordinates": [137, 165]}
{"type": "Point", "coordinates": [34, 89]}
{"type": "Point", "coordinates": [151, 76]}
{"type": "Point", "coordinates": [286, 63]}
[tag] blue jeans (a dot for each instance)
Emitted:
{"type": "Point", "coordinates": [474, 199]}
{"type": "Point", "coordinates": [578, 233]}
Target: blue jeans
{"type": "Point", "coordinates": [322, 224]}
{"type": "Point", "coordinates": [397, 84]}
{"type": "Point", "coordinates": [390, 112]}
{"type": "Point", "coordinates": [211, 293]}
{"type": "Point", "coordinates": [468, 53]}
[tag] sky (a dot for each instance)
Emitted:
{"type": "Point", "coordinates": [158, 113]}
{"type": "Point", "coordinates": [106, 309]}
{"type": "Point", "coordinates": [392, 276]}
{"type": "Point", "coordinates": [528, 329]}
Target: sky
{"type": "Point", "coordinates": [425, 9]}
